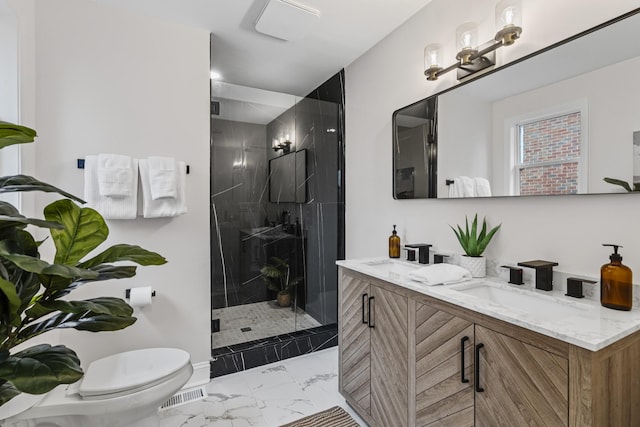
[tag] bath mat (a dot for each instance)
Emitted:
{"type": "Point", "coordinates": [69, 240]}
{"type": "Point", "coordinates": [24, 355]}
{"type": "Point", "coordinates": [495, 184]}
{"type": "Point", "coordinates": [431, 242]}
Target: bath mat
{"type": "Point", "coordinates": [333, 417]}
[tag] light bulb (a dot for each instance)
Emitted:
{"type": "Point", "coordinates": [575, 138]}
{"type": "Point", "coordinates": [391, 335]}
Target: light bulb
{"type": "Point", "coordinates": [433, 54]}
{"type": "Point", "coordinates": [508, 16]}
{"type": "Point", "coordinates": [465, 40]}
{"type": "Point", "coordinates": [467, 35]}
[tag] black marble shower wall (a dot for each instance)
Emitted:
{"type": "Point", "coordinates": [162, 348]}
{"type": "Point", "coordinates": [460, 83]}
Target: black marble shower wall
{"type": "Point", "coordinates": [247, 227]}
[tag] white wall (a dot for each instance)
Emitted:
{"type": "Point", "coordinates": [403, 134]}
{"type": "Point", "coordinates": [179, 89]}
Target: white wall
{"type": "Point", "coordinates": [109, 81]}
{"type": "Point", "coordinates": [464, 139]}
{"type": "Point", "coordinates": [566, 229]}
{"type": "Point", "coordinates": [9, 156]}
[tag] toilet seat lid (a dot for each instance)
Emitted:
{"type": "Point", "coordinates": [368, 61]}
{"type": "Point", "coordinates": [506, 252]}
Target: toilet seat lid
{"type": "Point", "coordinates": [131, 370]}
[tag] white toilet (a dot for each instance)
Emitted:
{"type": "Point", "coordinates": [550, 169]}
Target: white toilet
{"type": "Point", "coordinates": [124, 389]}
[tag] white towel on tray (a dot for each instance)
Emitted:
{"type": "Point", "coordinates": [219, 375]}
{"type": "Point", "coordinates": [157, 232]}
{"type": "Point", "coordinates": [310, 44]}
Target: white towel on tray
{"type": "Point", "coordinates": [115, 175]}
{"type": "Point", "coordinates": [162, 177]}
{"type": "Point", "coordinates": [163, 207]}
{"type": "Point", "coordinates": [440, 274]}
{"type": "Point", "coordinates": [124, 207]}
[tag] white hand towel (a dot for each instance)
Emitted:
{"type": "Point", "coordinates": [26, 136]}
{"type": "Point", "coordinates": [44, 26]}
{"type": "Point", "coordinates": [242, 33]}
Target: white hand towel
{"type": "Point", "coordinates": [462, 187]}
{"type": "Point", "coordinates": [440, 274]}
{"type": "Point", "coordinates": [109, 207]}
{"type": "Point", "coordinates": [482, 187]}
{"type": "Point", "coordinates": [468, 189]}
{"type": "Point", "coordinates": [115, 175]}
{"type": "Point", "coordinates": [162, 177]}
{"type": "Point", "coordinates": [164, 207]}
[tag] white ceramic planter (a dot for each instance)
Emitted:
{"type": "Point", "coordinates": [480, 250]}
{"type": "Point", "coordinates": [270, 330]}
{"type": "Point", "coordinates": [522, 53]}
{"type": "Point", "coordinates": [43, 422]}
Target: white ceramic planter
{"type": "Point", "coordinates": [477, 265]}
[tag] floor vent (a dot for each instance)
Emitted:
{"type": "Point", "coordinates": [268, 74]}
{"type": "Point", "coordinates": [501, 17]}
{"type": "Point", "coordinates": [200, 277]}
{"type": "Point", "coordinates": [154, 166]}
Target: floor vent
{"type": "Point", "coordinates": [185, 396]}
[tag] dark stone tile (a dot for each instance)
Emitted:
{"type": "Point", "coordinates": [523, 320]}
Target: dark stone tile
{"type": "Point", "coordinates": [243, 356]}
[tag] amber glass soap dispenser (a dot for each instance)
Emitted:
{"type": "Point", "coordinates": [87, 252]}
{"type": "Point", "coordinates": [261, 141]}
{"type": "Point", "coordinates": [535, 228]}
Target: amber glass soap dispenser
{"type": "Point", "coordinates": [394, 244]}
{"type": "Point", "coordinates": [616, 283]}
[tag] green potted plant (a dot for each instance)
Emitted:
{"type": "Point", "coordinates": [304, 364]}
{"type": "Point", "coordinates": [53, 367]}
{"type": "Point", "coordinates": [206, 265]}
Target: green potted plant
{"type": "Point", "coordinates": [32, 289]}
{"type": "Point", "coordinates": [474, 245]}
{"type": "Point", "coordinates": [277, 275]}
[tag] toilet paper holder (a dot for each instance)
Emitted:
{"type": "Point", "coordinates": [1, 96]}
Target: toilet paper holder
{"type": "Point", "coordinates": [127, 293]}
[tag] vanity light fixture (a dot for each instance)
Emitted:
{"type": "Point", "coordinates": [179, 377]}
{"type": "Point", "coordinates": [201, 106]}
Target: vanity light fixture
{"type": "Point", "coordinates": [472, 57]}
{"type": "Point", "coordinates": [283, 144]}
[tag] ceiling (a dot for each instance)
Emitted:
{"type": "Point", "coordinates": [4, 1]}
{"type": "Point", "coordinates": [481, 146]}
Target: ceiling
{"type": "Point", "coordinates": [243, 56]}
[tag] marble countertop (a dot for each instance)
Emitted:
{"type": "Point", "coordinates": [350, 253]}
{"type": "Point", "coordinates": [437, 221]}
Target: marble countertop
{"type": "Point", "coordinates": [584, 322]}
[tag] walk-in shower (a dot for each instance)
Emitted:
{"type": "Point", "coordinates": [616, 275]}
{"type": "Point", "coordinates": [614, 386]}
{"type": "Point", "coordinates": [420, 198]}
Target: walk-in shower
{"type": "Point", "coordinates": [276, 202]}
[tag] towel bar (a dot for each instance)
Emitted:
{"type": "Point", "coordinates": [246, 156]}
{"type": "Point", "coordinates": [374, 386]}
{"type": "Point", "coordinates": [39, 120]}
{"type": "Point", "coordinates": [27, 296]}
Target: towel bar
{"type": "Point", "coordinates": [80, 164]}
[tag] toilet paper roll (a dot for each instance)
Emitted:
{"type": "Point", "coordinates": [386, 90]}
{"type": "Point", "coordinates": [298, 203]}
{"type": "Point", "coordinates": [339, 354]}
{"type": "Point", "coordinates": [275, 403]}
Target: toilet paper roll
{"type": "Point", "coordinates": [140, 297]}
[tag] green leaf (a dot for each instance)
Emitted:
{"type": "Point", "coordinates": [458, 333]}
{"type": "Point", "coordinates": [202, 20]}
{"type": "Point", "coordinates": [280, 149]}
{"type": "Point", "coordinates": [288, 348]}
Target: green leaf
{"type": "Point", "coordinates": [9, 291]}
{"type": "Point", "coordinates": [61, 286]}
{"type": "Point", "coordinates": [15, 134]}
{"type": "Point", "coordinates": [103, 305]}
{"type": "Point", "coordinates": [83, 321]}
{"type": "Point", "coordinates": [41, 368]}
{"type": "Point", "coordinates": [12, 221]}
{"type": "Point", "coordinates": [7, 392]}
{"type": "Point", "coordinates": [125, 253]}
{"type": "Point", "coordinates": [472, 243]}
{"type": "Point", "coordinates": [38, 266]}
{"type": "Point", "coordinates": [619, 182]}
{"type": "Point", "coordinates": [10, 184]}
{"type": "Point", "coordinates": [84, 230]}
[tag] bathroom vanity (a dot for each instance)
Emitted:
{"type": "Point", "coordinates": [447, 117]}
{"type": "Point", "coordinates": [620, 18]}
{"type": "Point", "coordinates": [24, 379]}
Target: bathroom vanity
{"type": "Point", "coordinates": [481, 353]}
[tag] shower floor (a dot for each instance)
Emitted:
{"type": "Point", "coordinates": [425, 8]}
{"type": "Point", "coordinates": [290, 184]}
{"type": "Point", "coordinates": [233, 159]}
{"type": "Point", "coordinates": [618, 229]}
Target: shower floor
{"type": "Point", "coordinates": [256, 321]}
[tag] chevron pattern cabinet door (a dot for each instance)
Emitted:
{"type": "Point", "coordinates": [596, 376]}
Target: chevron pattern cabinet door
{"type": "Point", "coordinates": [442, 399]}
{"type": "Point", "coordinates": [355, 348]}
{"type": "Point", "coordinates": [523, 385]}
{"type": "Point", "coordinates": [389, 359]}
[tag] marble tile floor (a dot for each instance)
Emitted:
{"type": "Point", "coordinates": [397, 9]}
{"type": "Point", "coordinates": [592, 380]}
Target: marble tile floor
{"type": "Point", "coordinates": [266, 319]}
{"type": "Point", "coordinates": [266, 396]}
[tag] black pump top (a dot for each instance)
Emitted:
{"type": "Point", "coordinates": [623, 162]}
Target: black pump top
{"type": "Point", "coordinates": [394, 230]}
{"type": "Point", "coordinates": [614, 256]}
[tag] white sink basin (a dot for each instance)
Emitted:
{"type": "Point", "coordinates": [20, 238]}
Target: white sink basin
{"type": "Point", "coordinates": [547, 307]}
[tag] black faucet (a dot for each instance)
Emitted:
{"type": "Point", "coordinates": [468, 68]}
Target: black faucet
{"type": "Point", "coordinates": [544, 273]}
{"type": "Point", "coordinates": [574, 286]}
{"type": "Point", "coordinates": [515, 275]}
{"type": "Point", "coordinates": [423, 252]}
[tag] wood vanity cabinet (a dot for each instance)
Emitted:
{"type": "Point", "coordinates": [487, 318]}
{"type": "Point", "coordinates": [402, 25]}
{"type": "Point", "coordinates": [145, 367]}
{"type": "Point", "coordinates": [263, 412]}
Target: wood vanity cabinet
{"type": "Point", "coordinates": [373, 344]}
{"type": "Point", "coordinates": [426, 362]}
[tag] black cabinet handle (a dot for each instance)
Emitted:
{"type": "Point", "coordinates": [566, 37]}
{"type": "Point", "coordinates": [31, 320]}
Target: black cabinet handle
{"type": "Point", "coordinates": [371, 325]}
{"type": "Point", "coordinates": [364, 319]}
{"type": "Point", "coordinates": [478, 388]}
{"type": "Point", "coordinates": [462, 378]}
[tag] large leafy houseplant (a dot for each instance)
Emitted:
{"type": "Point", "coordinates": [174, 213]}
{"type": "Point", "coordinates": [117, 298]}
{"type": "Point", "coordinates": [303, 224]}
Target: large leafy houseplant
{"type": "Point", "coordinates": [32, 290]}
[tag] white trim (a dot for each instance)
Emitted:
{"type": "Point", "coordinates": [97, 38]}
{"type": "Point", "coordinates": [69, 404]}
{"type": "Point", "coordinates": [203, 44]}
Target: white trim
{"type": "Point", "coordinates": [511, 181]}
{"type": "Point", "coordinates": [201, 375]}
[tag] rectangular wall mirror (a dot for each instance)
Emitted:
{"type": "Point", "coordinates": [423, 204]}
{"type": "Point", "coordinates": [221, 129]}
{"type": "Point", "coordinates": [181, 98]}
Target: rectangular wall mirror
{"type": "Point", "coordinates": [556, 122]}
{"type": "Point", "coordinates": [288, 178]}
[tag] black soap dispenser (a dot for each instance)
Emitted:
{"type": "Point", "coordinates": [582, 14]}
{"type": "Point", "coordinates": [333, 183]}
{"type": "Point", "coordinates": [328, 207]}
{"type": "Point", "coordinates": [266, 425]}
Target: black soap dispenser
{"type": "Point", "coordinates": [616, 283]}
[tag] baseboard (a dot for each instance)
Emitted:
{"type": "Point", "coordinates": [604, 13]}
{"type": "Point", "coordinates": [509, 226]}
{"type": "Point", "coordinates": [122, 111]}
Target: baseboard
{"type": "Point", "coordinates": [200, 376]}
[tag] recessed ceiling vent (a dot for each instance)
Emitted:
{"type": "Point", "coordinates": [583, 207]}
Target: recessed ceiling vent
{"type": "Point", "coordinates": [286, 20]}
